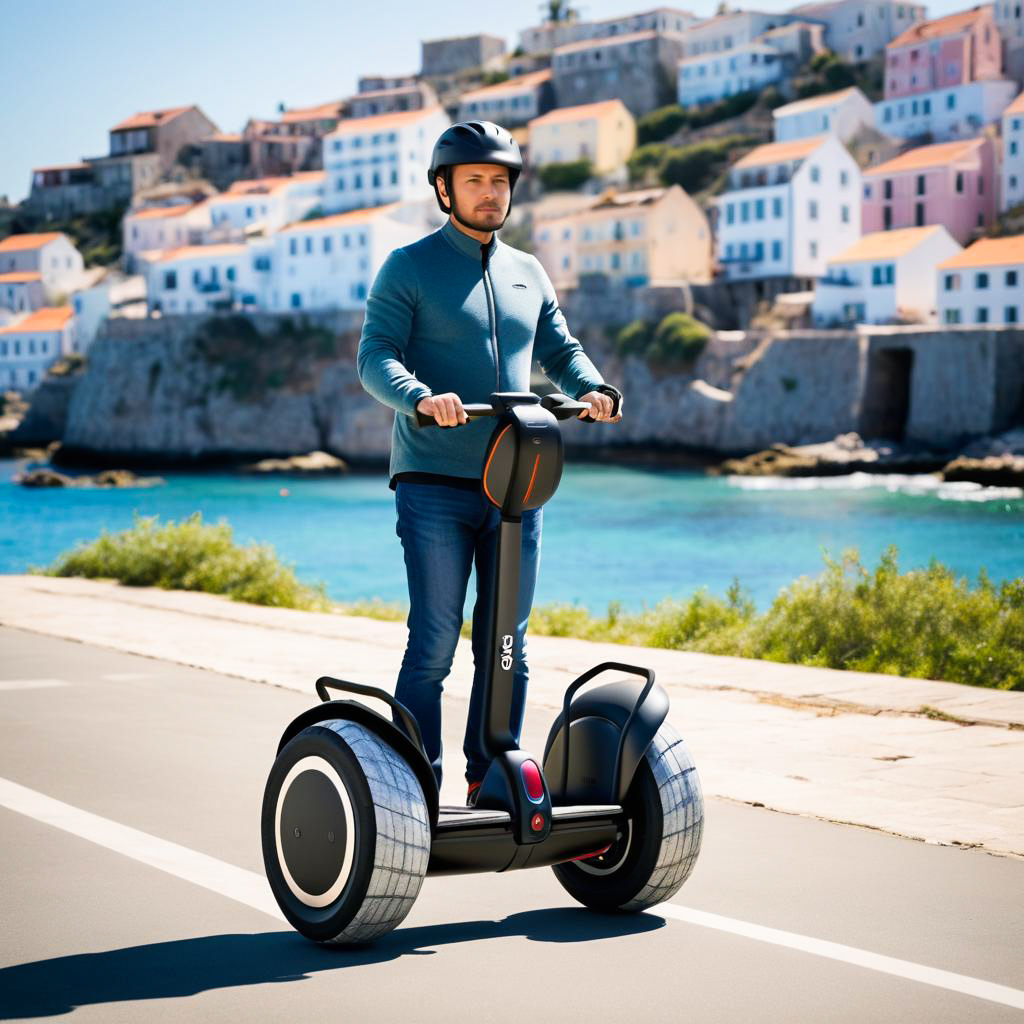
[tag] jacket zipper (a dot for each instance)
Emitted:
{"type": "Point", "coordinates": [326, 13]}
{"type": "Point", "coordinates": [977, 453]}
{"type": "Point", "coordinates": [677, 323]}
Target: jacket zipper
{"type": "Point", "coordinates": [492, 314]}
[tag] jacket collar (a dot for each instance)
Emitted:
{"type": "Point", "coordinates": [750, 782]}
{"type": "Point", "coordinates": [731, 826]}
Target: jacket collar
{"type": "Point", "coordinates": [463, 243]}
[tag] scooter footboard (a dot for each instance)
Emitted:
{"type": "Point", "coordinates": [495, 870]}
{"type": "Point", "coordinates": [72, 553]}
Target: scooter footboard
{"type": "Point", "coordinates": [610, 728]}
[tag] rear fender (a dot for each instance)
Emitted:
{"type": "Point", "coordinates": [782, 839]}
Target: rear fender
{"type": "Point", "coordinates": [390, 733]}
{"type": "Point", "coordinates": [606, 742]}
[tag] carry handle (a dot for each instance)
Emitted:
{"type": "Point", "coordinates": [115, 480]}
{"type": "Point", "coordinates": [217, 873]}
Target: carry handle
{"type": "Point", "coordinates": [574, 688]}
{"type": "Point", "coordinates": [399, 712]}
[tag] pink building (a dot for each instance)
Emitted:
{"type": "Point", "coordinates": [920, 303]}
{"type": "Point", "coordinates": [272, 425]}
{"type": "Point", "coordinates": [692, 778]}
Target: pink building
{"type": "Point", "coordinates": [950, 51]}
{"type": "Point", "coordinates": [952, 183]}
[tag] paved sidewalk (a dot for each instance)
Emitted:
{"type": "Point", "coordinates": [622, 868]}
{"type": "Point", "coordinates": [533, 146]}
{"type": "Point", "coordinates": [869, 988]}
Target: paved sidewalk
{"type": "Point", "coordinates": [880, 751]}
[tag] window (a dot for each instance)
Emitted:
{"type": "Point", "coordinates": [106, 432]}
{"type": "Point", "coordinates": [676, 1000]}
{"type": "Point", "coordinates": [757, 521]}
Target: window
{"type": "Point", "coordinates": [1011, 279]}
{"type": "Point", "coordinates": [1010, 314]}
{"type": "Point", "coordinates": [887, 188]}
{"type": "Point", "coordinates": [744, 211]}
{"type": "Point", "coordinates": [926, 106]}
{"type": "Point", "coordinates": [960, 181]}
{"type": "Point", "coordinates": [951, 282]}
{"type": "Point", "coordinates": [776, 250]}
{"type": "Point", "coordinates": [887, 115]}
{"type": "Point", "coordinates": [919, 220]}
{"type": "Point", "coordinates": [981, 280]}
{"type": "Point", "coordinates": [758, 209]}
{"type": "Point", "coordinates": [296, 300]}
{"type": "Point", "coordinates": [981, 185]}
{"type": "Point", "coordinates": [776, 207]}
{"type": "Point", "coordinates": [920, 184]}
{"type": "Point", "coordinates": [867, 191]}
{"type": "Point", "coordinates": [357, 181]}
{"type": "Point", "coordinates": [327, 243]}
{"type": "Point", "coordinates": [813, 250]}
{"type": "Point", "coordinates": [883, 273]}
{"type": "Point", "coordinates": [844, 179]}
{"type": "Point", "coordinates": [293, 246]}
{"type": "Point", "coordinates": [394, 177]}
{"type": "Point", "coordinates": [951, 105]}
{"type": "Point", "coordinates": [309, 243]}
{"type": "Point", "coordinates": [230, 273]}
{"type": "Point", "coordinates": [812, 209]}
{"type": "Point", "coordinates": [730, 213]}
{"type": "Point", "coordinates": [815, 174]}
{"type": "Point", "coordinates": [758, 252]}
{"type": "Point", "coordinates": [952, 316]}
{"type": "Point", "coordinates": [981, 315]}
{"type": "Point", "coordinates": [886, 218]}
{"type": "Point", "coordinates": [1013, 147]}
{"type": "Point", "coordinates": [170, 280]}
{"type": "Point", "coordinates": [844, 214]}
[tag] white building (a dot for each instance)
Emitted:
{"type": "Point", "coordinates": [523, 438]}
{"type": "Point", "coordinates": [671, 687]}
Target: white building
{"type": "Point", "coordinates": [1013, 155]}
{"type": "Point", "coordinates": [509, 103]}
{"type": "Point", "coordinates": [729, 31]}
{"type": "Point", "coordinates": [110, 293]}
{"type": "Point", "coordinates": [858, 30]}
{"type": "Point", "coordinates": [29, 347]}
{"type": "Point", "coordinates": [711, 77]}
{"type": "Point", "coordinates": [21, 291]}
{"type": "Point", "coordinates": [263, 205]}
{"type": "Point", "coordinates": [370, 161]}
{"type": "Point", "coordinates": [163, 227]}
{"type": "Point", "coordinates": [324, 263]}
{"type": "Point", "coordinates": [51, 255]}
{"type": "Point", "coordinates": [887, 277]}
{"type": "Point", "coordinates": [843, 113]}
{"type": "Point", "coordinates": [984, 284]}
{"type": "Point", "coordinates": [959, 112]}
{"type": "Point", "coordinates": [789, 208]}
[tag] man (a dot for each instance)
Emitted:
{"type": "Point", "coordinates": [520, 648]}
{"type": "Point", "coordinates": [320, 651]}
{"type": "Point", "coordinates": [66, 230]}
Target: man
{"type": "Point", "coordinates": [451, 319]}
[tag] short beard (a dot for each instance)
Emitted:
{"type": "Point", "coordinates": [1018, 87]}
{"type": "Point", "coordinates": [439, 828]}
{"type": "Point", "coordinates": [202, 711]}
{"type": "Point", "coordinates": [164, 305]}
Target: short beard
{"type": "Point", "coordinates": [466, 222]}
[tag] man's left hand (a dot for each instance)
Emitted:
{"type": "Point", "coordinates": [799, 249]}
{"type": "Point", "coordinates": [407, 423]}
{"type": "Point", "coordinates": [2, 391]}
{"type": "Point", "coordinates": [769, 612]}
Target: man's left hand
{"type": "Point", "coordinates": [600, 407]}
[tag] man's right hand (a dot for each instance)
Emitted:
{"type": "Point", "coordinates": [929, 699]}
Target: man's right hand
{"type": "Point", "coordinates": [446, 409]}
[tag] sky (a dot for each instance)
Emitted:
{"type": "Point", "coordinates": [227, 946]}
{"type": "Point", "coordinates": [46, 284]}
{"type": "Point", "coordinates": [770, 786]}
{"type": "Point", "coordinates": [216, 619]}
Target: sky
{"type": "Point", "coordinates": [71, 69]}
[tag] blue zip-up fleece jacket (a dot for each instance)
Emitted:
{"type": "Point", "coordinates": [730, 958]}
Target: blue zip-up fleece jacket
{"type": "Point", "coordinates": [449, 314]}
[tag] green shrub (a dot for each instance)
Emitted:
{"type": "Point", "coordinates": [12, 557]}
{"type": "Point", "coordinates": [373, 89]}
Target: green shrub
{"type": "Point", "coordinates": [660, 124]}
{"type": "Point", "coordinates": [559, 177]}
{"type": "Point", "coordinates": [645, 159]}
{"type": "Point", "coordinates": [925, 623]}
{"type": "Point", "coordinates": [191, 555]}
{"type": "Point", "coordinates": [633, 339]}
{"type": "Point", "coordinates": [678, 340]}
{"type": "Point", "coordinates": [694, 167]}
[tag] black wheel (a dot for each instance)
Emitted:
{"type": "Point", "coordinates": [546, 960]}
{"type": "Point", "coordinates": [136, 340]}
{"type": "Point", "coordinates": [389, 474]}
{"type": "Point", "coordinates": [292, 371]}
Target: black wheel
{"type": "Point", "coordinates": [657, 849]}
{"type": "Point", "coordinates": [346, 838]}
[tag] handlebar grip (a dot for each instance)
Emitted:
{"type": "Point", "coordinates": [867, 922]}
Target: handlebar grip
{"type": "Point", "coordinates": [472, 412]}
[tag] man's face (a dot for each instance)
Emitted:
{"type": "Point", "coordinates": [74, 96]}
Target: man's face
{"type": "Point", "coordinates": [482, 194]}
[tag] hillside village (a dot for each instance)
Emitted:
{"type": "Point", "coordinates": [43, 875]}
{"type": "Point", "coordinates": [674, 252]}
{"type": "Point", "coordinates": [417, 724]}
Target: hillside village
{"type": "Point", "coordinates": [841, 164]}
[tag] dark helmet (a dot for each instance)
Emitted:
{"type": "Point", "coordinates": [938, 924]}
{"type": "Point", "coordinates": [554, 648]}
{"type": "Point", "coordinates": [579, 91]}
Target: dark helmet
{"type": "Point", "coordinates": [474, 142]}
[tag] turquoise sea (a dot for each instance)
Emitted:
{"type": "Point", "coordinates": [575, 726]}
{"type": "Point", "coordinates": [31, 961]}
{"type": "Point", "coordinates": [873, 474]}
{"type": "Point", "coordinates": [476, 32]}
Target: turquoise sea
{"type": "Point", "coordinates": [610, 533]}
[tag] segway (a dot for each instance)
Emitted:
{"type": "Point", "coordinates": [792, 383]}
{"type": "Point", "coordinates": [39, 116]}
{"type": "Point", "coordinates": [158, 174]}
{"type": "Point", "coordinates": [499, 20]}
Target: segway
{"type": "Point", "coordinates": [351, 818]}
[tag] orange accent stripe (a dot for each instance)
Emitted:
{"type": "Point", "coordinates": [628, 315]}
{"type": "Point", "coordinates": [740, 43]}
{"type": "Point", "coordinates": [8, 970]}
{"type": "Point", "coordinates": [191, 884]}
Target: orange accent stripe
{"type": "Point", "coordinates": [488, 466]}
{"type": "Point", "coordinates": [536, 462]}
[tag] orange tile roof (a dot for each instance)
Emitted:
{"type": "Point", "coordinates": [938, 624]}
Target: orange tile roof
{"type": "Point", "coordinates": [20, 276]}
{"type": "Point", "coordinates": [592, 44]}
{"type": "Point", "coordinates": [528, 81]}
{"type": "Point", "coordinates": [581, 113]}
{"type": "Point", "coordinates": [192, 252]}
{"type": "Point", "coordinates": [886, 245]}
{"type": "Point", "coordinates": [49, 318]}
{"type": "Point", "coordinates": [162, 212]}
{"type": "Point", "coordinates": [814, 102]}
{"type": "Point", "coordinates": [340, 219]}
{"type": "Point", "coordinates": [952, 24]}
{"type": "Point", "coordinates": [324, 111]}
{"type": "Point", "coordinates": [1016, 107]}
{"type": "Point", "coordinates": [64, 167]}
{"type": "Point", "coordinates": [780, 152]}
{"type": "Point", "coordinates": [151, 118]}
{"type": "Point", "coordinates": [918, 159]}
{"type": "Point", "coordinates": [17, 243]}
{"type": "Point", "coordinates": [377, 121]}
{"type": "Point", "coordinates": [989, 252]}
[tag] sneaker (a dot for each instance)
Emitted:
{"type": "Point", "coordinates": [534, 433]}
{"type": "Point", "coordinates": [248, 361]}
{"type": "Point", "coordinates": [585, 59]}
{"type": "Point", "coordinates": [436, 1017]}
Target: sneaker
{"type": "Point", "coordinates": [472, 794]}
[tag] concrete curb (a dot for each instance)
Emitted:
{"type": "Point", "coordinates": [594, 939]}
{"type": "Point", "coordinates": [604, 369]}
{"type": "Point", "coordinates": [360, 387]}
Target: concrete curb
{"type": "Point", "coordinates": [842, 746]}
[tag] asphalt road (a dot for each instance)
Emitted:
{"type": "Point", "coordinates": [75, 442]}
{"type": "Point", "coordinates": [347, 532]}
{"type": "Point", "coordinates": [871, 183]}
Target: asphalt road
{"type": "Point", "coordinates": [182, 755]}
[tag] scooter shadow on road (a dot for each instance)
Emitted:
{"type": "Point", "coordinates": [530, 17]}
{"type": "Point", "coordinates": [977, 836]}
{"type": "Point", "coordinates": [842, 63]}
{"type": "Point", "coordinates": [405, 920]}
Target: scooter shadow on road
{"type": "Point", "coordinates": [185, 967]}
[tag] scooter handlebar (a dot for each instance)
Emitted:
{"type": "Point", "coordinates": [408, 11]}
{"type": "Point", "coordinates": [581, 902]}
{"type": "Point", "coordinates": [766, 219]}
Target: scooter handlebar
{"type": "Point", "coordinates": [562, 407]}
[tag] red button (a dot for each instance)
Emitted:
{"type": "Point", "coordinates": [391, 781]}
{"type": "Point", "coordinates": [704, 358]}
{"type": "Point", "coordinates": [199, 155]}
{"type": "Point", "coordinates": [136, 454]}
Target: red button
{"type": "Point", "coordinates": [532, 780]}
{"type": "Point", "coordinates": [537, 823]}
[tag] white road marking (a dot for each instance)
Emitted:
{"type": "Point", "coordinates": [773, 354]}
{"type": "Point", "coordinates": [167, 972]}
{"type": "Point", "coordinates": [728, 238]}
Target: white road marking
{"type": "Point", "coordinates": [251, 889]}
{"type": "Point", "coordinates": [31, 684]}
{"type": "Point", "coordinates": [246, 887]}
{"type": "Point", "coordinates": [963, 983]}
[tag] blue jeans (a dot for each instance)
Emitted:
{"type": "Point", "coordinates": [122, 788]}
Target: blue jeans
{"type": "Point", "coordinates": [444, 530]}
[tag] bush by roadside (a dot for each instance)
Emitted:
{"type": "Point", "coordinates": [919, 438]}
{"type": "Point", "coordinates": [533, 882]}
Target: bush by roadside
{"type": "Point", "coordinates": [191, 555]}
